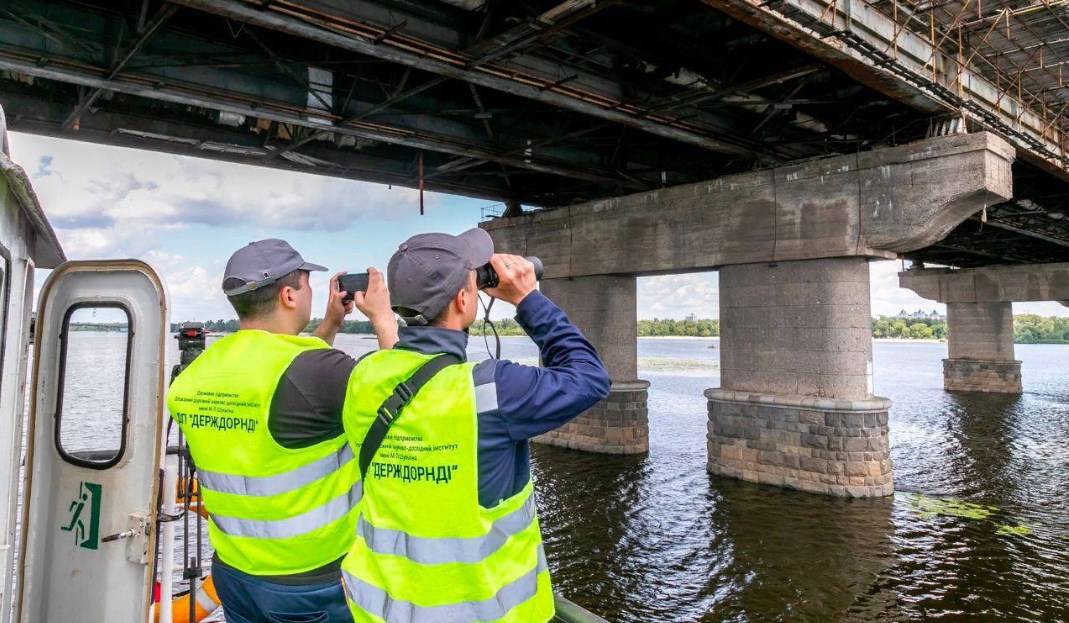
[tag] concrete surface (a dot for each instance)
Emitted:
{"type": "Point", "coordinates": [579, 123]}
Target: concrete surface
{"type": "Point", "coordinates": [871, 204]}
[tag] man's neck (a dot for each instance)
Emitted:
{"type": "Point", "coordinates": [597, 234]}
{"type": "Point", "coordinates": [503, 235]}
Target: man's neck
{"type": "Point", "coordinates": [453, 321]}
{"type": "Point", "coordinates": [272, 324]}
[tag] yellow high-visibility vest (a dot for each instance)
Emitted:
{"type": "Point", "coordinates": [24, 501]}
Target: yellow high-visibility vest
{"type": "Point", "coordinates": [425, 550]}
{"type": "Point", "coordinates": [272, 510]}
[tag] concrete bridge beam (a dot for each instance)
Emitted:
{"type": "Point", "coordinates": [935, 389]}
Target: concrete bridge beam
{"type": "Point", "coordinates": [795, 405]}
{"type": "Point", "coordinates": [872, 204]}
{"type": "Point", "coordinates": [603, 307]}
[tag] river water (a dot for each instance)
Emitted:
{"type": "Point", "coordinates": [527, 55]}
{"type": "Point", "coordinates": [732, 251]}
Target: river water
{"type": "Point", "coordinates": [977, 530]}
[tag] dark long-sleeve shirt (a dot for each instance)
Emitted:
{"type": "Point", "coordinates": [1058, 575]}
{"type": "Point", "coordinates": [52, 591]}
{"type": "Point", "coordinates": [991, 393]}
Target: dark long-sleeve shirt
{"type": "Point", "coordinates": [517, 402]}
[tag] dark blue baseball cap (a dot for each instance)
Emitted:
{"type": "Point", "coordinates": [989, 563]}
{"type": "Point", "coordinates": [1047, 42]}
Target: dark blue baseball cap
{"type": "Point", "coordinates": [262, 263]}
{"type": "Point", "coordinates": [428, 270]}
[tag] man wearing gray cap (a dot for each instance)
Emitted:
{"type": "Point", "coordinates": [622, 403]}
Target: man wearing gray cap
{"type": "Point", "coordinates": [261, 413]}
{"type": "Point", "coordinates": [447, 528]}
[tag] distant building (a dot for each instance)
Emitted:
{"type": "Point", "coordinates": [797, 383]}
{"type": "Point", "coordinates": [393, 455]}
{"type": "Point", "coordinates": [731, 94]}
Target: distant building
{"type": "Point", "coordinates": [920, 315]}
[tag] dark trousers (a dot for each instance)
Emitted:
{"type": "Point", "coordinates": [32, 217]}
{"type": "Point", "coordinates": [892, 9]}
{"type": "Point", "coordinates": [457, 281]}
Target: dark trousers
{"type": "Point", "coordinates": [248, 599]}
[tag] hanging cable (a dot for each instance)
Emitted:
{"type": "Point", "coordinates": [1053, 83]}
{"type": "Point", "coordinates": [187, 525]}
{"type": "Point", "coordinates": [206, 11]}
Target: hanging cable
{"type": "Point", "coordinates": [487, 322]}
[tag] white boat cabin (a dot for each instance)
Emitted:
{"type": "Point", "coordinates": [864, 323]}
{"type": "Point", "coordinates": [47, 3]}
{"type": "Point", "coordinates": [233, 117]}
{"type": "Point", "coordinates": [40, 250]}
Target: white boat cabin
{"type": "Point", "coordinates": [76, 525]}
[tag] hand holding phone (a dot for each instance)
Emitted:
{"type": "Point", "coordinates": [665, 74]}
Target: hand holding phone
{"type": "Point", "coordinates": [352, 283]}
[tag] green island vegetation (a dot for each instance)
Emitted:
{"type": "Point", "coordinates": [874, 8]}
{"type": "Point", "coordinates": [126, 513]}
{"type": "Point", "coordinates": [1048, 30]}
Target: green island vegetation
{"type": "Point", "coordinates": [1034, 329]}
{"type": "Point", "coordinates": [1027, 328]}
{"type": "Point", "coordinates": [689, 327]}
{"type": "Point", "coordinates": [909, 328]}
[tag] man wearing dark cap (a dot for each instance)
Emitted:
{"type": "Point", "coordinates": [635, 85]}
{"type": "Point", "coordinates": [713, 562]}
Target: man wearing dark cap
{"type": "Point", "coordinates": [261, 413]}
{"type": "Point", "coordinates": [447, 528]}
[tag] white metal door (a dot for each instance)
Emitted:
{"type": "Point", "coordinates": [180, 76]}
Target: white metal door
{"type": "Point", "coordinates": [88, 540]}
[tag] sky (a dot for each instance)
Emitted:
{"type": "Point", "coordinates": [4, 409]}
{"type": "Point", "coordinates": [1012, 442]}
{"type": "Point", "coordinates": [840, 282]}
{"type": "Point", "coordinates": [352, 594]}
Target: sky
{"type": "Point", "coordinates": [185, 216]}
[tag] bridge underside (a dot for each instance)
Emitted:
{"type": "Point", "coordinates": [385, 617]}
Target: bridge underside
{"type": "Point", "coordinates": [539, 103]}
{"type": "Point", "coordinates": [783, 142]}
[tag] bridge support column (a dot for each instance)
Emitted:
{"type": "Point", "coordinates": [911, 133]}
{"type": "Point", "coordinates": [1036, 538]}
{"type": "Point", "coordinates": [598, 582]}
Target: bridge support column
{"type": "Point", "coordinates": [795, 407]}
{"type": "Point", "coordinates": [603, 307]}
{"type": "Point", "coordinates": [980, 317]}
{"type": "Point", "coordinates": [980, 345]}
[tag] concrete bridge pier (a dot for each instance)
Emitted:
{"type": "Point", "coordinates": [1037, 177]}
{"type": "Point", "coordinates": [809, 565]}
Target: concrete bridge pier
{"type": "Point", "coordinates": [792, 244]}
{"type": "Point", "coordinates": [980, 317]}
{"type": "Point", "coordinates": [795, 405]}
{"type": "Point", "coordinates": [980, 348]}
{"type": "Point", "coordinates": [603, 307]}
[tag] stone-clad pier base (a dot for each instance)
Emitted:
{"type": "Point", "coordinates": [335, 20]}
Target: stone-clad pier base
{"type": "Point", "coordinates": [617, 425]}
{"type": "Point", "coordinates": [795, 407]}
{"type": "Point", "coordinates": [603, 307]}
{"type": "Point", "coordinates": [982, 375]}
{"type": "Point", "coordinates": [834, 447]}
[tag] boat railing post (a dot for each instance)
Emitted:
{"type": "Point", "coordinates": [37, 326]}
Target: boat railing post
{"type": "Point", "coordinates": [170, 510]}
{"type": "Point", "coordinates": [3, 133]}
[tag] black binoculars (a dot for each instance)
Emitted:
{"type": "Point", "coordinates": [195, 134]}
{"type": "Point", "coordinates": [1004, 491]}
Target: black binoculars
{"type": "Point", "coordinates": [486, 276]}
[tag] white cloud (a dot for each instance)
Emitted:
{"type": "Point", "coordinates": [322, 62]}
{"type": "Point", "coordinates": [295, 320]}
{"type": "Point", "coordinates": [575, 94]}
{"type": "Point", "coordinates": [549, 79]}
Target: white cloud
{"type": "Point", "coordinates": [109, 202]}
{"type": "Point", "coordinates": [678, 296]}
{"type": "Point", "coordinates": [91, 187]}
{"type": "Point", "coordinates": [887, 298]}
{"type": "Point", "coordinates": [1047, 308]}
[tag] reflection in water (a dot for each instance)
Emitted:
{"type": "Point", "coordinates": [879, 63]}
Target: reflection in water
{"type": "Point", "coordinates": [655, 538]}
{"type": "Point", "coordinates": [796, 558]}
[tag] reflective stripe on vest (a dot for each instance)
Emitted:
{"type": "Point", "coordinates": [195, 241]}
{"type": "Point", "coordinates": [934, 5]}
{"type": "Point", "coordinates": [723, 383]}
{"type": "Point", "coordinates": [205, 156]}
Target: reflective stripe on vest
{"type": "Point", "coordinates": [377, 602]}
{"type": "Point", "coordinates": [431, 551]}
{"type": "Point", "coordinates": [314, 519]}
{"type": "Point", "coordinates": [279, 483]}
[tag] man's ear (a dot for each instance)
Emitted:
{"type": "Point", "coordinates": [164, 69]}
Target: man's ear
{"type": "Point", "coordinates": [460, 301]}
{"type": "Point", "coordinates": [286, 298]}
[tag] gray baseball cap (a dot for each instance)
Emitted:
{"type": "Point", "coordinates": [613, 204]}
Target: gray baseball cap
{"type": "Point", "coordinates": [428, 270]}
{"type": "Point", "coordinates": [262, 263]}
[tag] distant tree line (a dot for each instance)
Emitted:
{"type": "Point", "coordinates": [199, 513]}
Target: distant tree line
{"type": "Point", "coordinates": [1027, 328]}
{"type": "Point", "coordinates": [505, 326]}
{"type": "Point", "coordinates": [909, 328]}
{"type": "Point", "coordinates": [1033, 329]}
{"type": "Point", "coordinates": [689, 327]}
{"type": "Point", "coordinates": [99, 326]}
{"type": "Point", "coordinates": [215, 326]}
{"type": "Point", "coordinates": [347, 326]}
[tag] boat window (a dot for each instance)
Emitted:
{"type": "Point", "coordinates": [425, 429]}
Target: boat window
{"type": "Point", "coordinates": [94, 373]}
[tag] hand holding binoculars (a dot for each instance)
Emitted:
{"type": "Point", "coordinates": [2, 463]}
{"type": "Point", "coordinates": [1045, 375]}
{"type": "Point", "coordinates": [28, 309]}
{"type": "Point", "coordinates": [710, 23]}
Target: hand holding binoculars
{"type": "Point", "coordinates": [485, 277]}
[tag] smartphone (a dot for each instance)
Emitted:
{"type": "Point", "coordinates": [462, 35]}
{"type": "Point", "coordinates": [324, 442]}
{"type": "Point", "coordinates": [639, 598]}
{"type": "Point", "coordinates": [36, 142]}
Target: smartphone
{"type": "Point", "coordinates": [352, 283]}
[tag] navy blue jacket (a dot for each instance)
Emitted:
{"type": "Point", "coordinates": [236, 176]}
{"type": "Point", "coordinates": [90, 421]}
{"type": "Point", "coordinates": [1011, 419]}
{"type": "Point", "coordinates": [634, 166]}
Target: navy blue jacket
{"type": "Point", "coordinates": [517, 402]}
